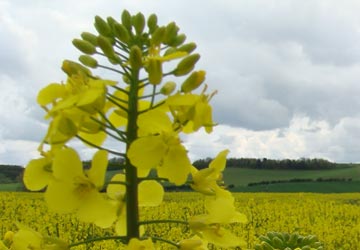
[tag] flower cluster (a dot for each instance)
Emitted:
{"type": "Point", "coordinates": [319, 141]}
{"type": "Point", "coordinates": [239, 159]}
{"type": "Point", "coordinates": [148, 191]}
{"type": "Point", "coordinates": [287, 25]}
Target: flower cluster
{"type": "Point", "coordinates": [146, 114]}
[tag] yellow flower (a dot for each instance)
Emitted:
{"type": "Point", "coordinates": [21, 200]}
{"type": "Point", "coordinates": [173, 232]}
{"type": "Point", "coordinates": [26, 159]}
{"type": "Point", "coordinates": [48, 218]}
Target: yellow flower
{"type": "Point", "coordinates": [160, 148]}
{"type": "Point", "coordinates": [71, 106]}
{"type": "Point", "coordinates": [136, 244]}
{"type": "Point", "coordinates": [72, 190]}
{"type": "Point", "coordinates": [205, 180]}
{"type": "Point", "coordinates": [191, 111]}
{"type": "Point", "coordinates": [213, 232]}
{"type": "Point", "coordinates": [27, 238]}
{"type": "Point", "coordinates": [194, 243]}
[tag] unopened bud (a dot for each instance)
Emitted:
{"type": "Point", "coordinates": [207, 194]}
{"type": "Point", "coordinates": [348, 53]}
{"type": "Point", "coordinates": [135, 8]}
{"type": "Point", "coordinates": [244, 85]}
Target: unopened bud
{"type": "Point", "coordinates": [158, 36]}
{"type": "Point", "coordinates": [105, 46]}
{"type": "Point", "coordinates": [180, 39]}
{"type": "Point", "coordinates": [189, 47]}
{"type": "Point", "coordinates": [171, 32]}
{"type": "Point", "coordinates": [135, 57]}
{"type": "Point", "coordinates": [71, 68]}
{"type": "Point", "coordinates": [138, 22]}
{"type": "Point", "coordinates": [111, 22]}
{"type": "Point", "coordinates": [126, 79]}
{"type": "Point", "coordinates": [88, 61]}
{"type": "Point", "coordinates": [126, 19]}
{"type": "Point", "coordinates": [193, 81]}
{"type": "Point", "coordinates": [91, 38]}
{"type": "Point", "coordinates": [170, 51]}
{"type": "Point", "coordinates": [102, 26]}
{"type": "Point", "coordinates": [168, 88]}
{"type": "Point", "coordinates": [152, 23]}
{"type": "Point", "coordinates": [190, 244]}
{"type": "Point", "coordinates": [186, 65]}
{"type": "Point", "coordinates": [154, 70]}
{"type": "Point", "coordinates": [84, 46]}
{"type": "Point", "coordinates": [9, 235]}
{"type": "Point", "coordinates": [121, 32]}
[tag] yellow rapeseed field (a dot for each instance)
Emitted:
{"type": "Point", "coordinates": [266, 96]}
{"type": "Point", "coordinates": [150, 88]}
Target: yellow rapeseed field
{"type": "Point", "coordinates": [334, 218]}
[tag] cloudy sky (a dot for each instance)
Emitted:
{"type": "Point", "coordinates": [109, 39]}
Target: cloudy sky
{"type": "Point", "coordinates": [287, 71]}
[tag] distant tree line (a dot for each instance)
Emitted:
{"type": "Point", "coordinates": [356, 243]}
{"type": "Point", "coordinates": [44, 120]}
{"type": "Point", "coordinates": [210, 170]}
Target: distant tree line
{"type": "Point", "coordinates": [264, 163]}
{"type": "Point", "coordinates": [320, 179]}
{"type": "Point", "coordinates": [10, 173]}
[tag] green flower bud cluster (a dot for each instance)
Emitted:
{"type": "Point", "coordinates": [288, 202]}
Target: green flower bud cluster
{"type": "Point", "coordinates": [139, 43]}
{"type": "Point", "coordinates": [286, 241]}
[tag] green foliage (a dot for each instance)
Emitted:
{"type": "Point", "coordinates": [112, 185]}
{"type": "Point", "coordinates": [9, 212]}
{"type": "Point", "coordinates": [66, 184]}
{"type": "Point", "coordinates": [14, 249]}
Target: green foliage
{"type": "Point", "coordinates": [10, 173]}
{"type": "Point", "coordinates": [264, 163]}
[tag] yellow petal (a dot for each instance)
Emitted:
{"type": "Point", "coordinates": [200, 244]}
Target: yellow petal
{"type": "Point", "coordinates": [27, 239]}
{"type": "Point", "coordinates": [219, 163]}
{"type": "Point", "coordinates": [98, 168]}
{"type": "Point", "coordinates": [222, 237]}
{"type": "Point", "coordinates": [96, 209]}
{"type": "Point", "coordinates": [96, 139]}
{"type": "Point", "coordinates": [117, 120]}
{"type": "Point", "coordinates": [176, 165]}
{"type": "Point", "coordinates": [67, 165]}
{"type": "Point", "coordinates": [147, 152]}
{"type": "Point", "coordinates": [116, 191]}
{"type": "Point", "coordinates": [50, 93]}
{"type": "Point", "coordinates": [61, 197]}
{"type": "Point", "coordinates": [136, 244]}
{"type": "Point", "coordinates": [37, 174]}
{"type": "Point", "coordinates": [120, 226]}
{"type": "Point", "coordinates": [154, 121]}
{"type": "Point", "coordinates": [151, 193]}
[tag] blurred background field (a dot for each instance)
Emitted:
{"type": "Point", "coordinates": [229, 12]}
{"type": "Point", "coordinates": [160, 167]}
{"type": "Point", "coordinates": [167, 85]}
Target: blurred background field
{"type": "Point", "coordinates": [334, 218]}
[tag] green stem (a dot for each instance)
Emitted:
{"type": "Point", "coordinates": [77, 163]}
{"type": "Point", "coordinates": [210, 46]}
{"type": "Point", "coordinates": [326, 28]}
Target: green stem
{"type": "Point", "coordinates": [111, 69]}
{"type": "Point", "coordinates": [132, 206]}
{"type": "Point", "coordinates": [145, 222]}
{"type": "Point", "coordinates": [152, 178]}
{"type": "Point", "coordinates": [166, 241]}
{"type": "Point", "coordinates": [121, 238]}
{"type": "Point", "coordinates": [99, 147]}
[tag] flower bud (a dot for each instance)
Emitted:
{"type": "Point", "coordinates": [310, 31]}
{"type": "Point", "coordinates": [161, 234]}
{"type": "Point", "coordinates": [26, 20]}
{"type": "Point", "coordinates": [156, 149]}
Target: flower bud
{"type": "Point", "coordinates": [158, 36]}
{"type": "Point", "coordinates": [126, 79]}
{"type": "Point", "coordinates": [190, 244]}
{"type": "Point", "coordinates": [138, 22]}
{"type": "Point", "coordinates": [135, 57]}
{"type": "Point", "coordinates": [126, 19]}
{"type": "Point", "coordinates": [168, 88]}
{"type": "Point", "coordinates": [88, 61]}
{"type": "Point", "coordinates": [9, 235]}
{"type": "Point", "coordinates": [193, 81]}
{"type": "Point", "coordinates": [91, 38]}
{"type": "Point", "coordinates": [189, 47]}
{"type": "Point", "coordinates": [71, 68]}
{"type": "Point", "coordinates": [170, 32]}
{"type": "Point", "coordinates": [180, 39]}
{"type": "Point", "coordinates": [102, 26]}
{"type": "Point", "coordinates": [152, 23]}
{"type": "Point", "coordinates": [111, 22]}
{"type": "Point", "coordinates": [121, 32]}
{"type": "Point", "coordinates": [84, 46]}
{"type": "Point", "coordinates": [170, 51]}
{"type": "Point", "coordinates": [106, 46]}
{"type": "Point", "coordinates": [186, 65]}
{"type": "Point", "coordinates": [154, 70]}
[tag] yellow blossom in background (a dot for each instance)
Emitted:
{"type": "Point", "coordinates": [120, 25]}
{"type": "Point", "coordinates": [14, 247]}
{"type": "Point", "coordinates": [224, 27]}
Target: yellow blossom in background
{"type": "Point", "coordinates": [206, 180]}
{"type": "Point", "coordinates": [136, 244]}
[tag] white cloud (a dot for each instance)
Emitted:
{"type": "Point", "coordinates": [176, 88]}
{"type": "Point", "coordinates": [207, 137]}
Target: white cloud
{"type": "Point", "coordinates": [270, 61]}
